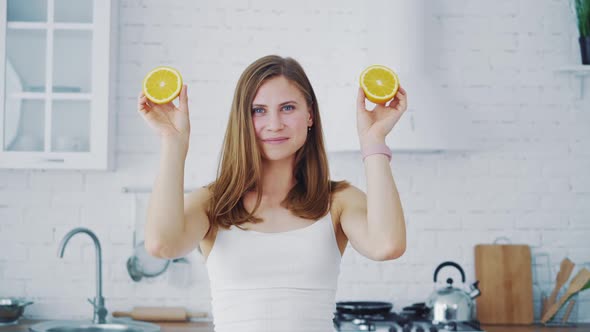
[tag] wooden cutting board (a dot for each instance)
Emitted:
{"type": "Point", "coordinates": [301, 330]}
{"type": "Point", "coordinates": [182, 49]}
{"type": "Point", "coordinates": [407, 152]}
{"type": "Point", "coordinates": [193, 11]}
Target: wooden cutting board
{"type": "Point", "coordinates": [160, 314]}
{"type": "Point", "coordinates": [505, 279]}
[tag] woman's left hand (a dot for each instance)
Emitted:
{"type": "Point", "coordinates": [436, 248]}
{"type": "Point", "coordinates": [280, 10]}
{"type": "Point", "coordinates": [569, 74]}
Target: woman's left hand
{"type": "Point", "coordinates": [374, 125]}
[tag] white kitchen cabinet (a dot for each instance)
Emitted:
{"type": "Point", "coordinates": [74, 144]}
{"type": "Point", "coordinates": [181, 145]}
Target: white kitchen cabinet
{"type": "Point", "coordinates": [431, 123]}
{"type": "Point", "coordinates": [57, 92]}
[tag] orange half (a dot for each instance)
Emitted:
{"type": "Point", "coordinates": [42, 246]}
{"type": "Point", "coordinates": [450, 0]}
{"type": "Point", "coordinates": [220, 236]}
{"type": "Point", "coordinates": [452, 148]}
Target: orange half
{"type": "Point", "coordinates": [162, 84]}
{"type": "Point", "coordinates": [379, 83]}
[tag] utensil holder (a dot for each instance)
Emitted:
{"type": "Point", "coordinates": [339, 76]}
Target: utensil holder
{"type": "Point", "coordinates": [557, 320]}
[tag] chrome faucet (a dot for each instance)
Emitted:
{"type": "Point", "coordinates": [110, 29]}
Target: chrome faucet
{"type": "Point", "coordinates": [100, 312]}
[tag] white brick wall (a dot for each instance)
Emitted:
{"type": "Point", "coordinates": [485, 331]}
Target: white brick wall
{"type": "Point", "coordinates": [528, 181]}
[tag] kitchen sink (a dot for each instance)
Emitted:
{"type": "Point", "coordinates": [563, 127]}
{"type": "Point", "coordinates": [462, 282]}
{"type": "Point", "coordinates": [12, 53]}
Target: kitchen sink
{"type": "Point", "coordinates": [116, 325]}
{"type": "Point", "coordinates": [99, 322]}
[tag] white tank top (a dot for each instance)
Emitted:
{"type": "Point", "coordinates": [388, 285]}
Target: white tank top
{"type": "Point", "coordinates": [274, 282]}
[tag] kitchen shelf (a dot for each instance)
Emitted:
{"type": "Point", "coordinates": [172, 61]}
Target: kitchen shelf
{"type": "Point", "coordinates": [144, 190]}
{"type": "Point", "coordinates": [54, 96]}
{"type": "Point", "coordinates": [55, 25]}
{"type": "Point", "coordinates": [580, 72]}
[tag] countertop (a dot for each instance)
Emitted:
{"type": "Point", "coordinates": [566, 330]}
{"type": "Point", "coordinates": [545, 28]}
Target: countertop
{"type": "Point", "coordinates": [585, 327]}
{"type": "Point", "coordinates": [24, 324]}
{"type": "Point", "coordinates": [208, 327]}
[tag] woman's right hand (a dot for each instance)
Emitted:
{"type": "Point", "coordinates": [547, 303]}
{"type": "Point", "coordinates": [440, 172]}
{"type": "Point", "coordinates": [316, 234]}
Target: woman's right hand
{"type": "Point", "coordinates": [169, 121]}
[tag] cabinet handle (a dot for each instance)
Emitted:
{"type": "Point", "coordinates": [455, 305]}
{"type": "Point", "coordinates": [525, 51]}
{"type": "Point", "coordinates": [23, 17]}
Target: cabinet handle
{"type": "Point", "coordinates": [53, 160]}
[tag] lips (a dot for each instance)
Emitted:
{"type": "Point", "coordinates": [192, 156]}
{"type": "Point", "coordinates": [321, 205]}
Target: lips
{"type": "Point", "coordinates": [277, 139]}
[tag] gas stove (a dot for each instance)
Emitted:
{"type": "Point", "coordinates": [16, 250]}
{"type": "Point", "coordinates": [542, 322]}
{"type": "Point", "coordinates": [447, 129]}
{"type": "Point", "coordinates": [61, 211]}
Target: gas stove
{"type": "Point", "coordinates": [409, 320]}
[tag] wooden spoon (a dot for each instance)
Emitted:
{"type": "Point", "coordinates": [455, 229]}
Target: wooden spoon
{"type": "Point", "coordinates": [565, 271]}
{"type": "Point", "coordinates": [579, 282]}
{"type": "Point", "coordinates": [568, 311]}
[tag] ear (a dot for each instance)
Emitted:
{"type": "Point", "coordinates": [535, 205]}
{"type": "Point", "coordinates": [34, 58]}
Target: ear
{"type": "Point", "coordinates": [309, 118]}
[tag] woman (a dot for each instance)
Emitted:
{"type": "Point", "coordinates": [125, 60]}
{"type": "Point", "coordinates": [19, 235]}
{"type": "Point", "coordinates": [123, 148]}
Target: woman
{"type": "Point", "coordinates": [272, 226]}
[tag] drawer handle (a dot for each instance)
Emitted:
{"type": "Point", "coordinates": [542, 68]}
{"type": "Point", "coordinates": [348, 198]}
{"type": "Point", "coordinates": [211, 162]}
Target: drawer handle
{"type": "Point", "coordinates": [53, 160]}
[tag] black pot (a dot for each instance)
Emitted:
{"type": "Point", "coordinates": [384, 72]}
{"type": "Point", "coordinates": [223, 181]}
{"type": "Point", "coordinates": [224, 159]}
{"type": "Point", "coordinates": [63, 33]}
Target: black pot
{"type": "Point", "coordinates": [585, 49]}
{"type": "Point", "coordinates": [11, 309]}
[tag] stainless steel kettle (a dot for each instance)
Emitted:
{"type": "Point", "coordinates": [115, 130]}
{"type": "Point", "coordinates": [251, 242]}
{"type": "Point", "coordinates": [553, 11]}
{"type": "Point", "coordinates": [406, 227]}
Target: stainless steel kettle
{"type": "Point", "coordinates": [451, 304]}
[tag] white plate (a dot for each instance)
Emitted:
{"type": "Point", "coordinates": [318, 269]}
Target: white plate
{"type": "Point", "coordinates": [13, 105]}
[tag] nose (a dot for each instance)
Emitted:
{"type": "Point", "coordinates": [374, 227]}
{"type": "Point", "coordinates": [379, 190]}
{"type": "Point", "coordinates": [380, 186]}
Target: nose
{"type": "Point", "coordinates": [274, 121]}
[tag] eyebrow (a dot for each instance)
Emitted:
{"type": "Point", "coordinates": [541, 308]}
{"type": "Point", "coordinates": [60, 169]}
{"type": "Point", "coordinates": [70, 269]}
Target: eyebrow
{"type": "Point", "coordinates": [281, 104]}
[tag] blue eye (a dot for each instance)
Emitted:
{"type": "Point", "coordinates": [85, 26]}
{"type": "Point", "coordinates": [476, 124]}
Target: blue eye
{"type": "Point", "coordinates": [255, 110]}
{"type": "Point", "coordinates": [288, 107]}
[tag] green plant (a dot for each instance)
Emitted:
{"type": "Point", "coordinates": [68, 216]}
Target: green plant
{"type": "Point", "coordinates": [582, 9]}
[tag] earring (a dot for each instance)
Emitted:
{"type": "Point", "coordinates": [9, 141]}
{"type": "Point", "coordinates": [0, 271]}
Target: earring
{"type": "Point", "coordinates": [308, 128]}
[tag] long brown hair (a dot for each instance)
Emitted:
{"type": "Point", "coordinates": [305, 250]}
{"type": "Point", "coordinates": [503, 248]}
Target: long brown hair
{"type": "Point", "coordinates": [240, 166]}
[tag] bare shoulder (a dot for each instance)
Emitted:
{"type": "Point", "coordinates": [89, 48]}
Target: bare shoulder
{"type": "Point", "coordinates": [199, 196]}
{"type": "Point", "coordinates": [350, 196]}
{"type": "Point", "coordinates": [196, 206]}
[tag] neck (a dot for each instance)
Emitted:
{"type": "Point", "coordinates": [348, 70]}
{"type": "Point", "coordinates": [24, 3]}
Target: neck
{"type": "Point", "coordinates": [277, 178]}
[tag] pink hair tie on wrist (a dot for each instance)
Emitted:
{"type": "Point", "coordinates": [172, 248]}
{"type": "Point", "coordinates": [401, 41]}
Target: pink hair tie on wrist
{"type": "Point", "coordinates": [376, 149]}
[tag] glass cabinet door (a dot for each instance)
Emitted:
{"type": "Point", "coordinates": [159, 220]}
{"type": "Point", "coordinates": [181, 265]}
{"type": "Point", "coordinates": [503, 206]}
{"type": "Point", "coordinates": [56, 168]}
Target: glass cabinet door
{"type": "Point", "coordinates": [57, 83]}
{"type": "Point", "coordinates": [48, 109]}
{"type": "Point", "coordinates": [24, 104]}
{"type": "Point", "coordinates": [27, 11]}
{"type": "Point", "coordinates": [73, 11]}
{"type": "Point", "coordinates": [71, 87]}
{"type": "Point", "coordinates": [24, 125]}
{"type": "Point", "coordinates": [72, 61]}
{"type": "Point", "coordinates": [70, 126]}
{"type": "Point", "coordinates": [26, 50]}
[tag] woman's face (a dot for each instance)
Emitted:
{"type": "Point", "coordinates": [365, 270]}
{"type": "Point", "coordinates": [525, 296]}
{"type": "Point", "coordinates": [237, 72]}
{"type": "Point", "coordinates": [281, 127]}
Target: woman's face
{"type": "Point", "coordinates": [281, 117]}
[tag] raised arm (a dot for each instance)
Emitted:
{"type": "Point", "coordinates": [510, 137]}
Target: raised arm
{"type": "Point", "coordinates": [175, 223]}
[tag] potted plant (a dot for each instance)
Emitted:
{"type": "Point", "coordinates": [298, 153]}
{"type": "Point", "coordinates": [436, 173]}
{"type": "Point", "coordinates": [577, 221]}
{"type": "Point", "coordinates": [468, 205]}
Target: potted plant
{"type": "Point", "coordinates": [582, 9]}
